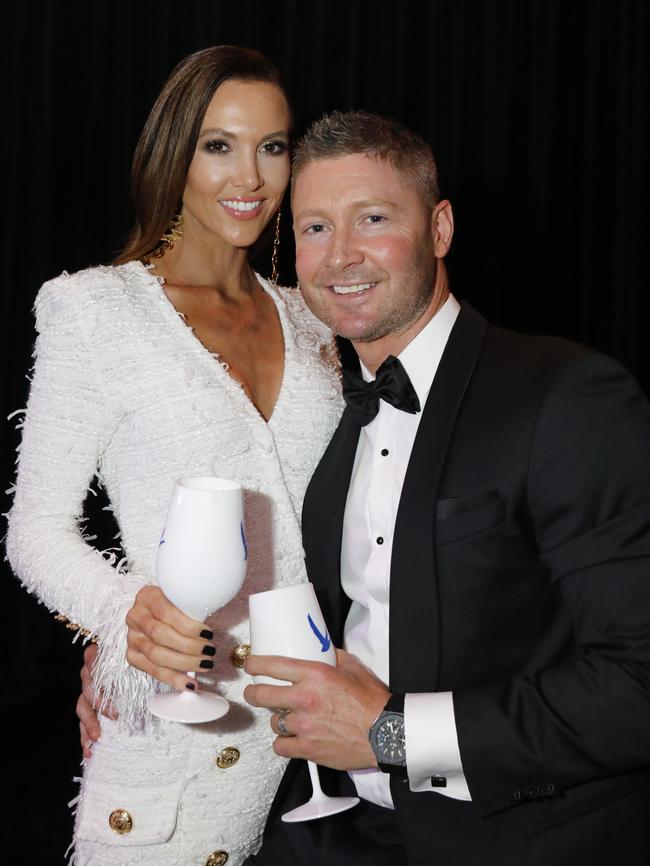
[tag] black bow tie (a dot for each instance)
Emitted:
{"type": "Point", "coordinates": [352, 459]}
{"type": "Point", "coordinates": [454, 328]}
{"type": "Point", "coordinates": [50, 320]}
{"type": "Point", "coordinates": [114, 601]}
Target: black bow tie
{"type": "Point", "coordinates": [391, 384]}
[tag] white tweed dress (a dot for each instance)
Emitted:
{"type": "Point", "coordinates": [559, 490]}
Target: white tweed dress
{"type": "Point", "coordinates": [123, 390]}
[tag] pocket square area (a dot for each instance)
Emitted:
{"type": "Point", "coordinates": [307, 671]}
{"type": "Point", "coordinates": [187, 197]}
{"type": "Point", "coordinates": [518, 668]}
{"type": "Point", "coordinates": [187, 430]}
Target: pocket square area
{"type": "Point", "coordinates": [462, 504]}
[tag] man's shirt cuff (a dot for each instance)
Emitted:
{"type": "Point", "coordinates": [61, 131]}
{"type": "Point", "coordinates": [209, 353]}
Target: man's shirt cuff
{"type": "Point", "coordinates": [432, 749]}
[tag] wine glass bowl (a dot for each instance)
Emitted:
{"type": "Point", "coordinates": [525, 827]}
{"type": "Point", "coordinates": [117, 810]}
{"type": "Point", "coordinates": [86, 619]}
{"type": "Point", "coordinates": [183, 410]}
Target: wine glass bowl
{"type": "Point", "coordinates": [200, 566]}
{"type": "Point", "coordinates": [288, 622]}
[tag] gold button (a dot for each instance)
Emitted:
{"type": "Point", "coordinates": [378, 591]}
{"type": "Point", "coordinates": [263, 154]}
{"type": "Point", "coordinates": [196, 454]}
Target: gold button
{"type": "Point", "coordinates": [227, 757]}
{"type": "Point", "coordinates": [239, 655]}
{"type": "Point", "coordinates": [121, 822]}
{"type": "Point", "coordinates": [217, 858]}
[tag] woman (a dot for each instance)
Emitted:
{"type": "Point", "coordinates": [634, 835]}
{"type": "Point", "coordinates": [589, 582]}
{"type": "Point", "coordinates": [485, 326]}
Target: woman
{"type": "Point", "coordinates": [176, 360]}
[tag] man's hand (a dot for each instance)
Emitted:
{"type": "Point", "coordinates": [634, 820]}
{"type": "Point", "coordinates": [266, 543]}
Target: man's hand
{"type": "Point", "coordinates": [164, 642]}
{"type": "Point", "coordinates": [331, 709]}
{"type": "Point", "coordinates": [89, 699]}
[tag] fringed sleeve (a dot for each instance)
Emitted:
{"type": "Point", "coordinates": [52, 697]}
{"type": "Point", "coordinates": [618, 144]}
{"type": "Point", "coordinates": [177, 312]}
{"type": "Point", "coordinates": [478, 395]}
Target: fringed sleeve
{"type": "Point", "coordinates": [68, 422]}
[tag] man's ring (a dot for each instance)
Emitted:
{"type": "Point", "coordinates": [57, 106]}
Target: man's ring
{"type": "Point", "coordinates": [282, 723]}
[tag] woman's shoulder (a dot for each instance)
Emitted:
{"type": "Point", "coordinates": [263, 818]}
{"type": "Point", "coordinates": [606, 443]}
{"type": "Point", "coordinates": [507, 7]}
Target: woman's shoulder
{"type": "Point", "coordinates": [87, 288]}
{"type": "Point", "coordinates": [97, 279]}
{"type": "Point", "coordinates": [301, 317]}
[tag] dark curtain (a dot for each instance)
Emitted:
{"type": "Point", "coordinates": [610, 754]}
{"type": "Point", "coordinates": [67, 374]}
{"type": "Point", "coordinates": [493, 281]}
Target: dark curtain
{"type": "Point", "coordinates": [535, 109]}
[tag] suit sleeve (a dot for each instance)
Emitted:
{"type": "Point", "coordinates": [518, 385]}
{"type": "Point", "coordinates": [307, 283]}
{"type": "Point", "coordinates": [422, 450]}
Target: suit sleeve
{"type": "Point", "coordinates": [587, 716]}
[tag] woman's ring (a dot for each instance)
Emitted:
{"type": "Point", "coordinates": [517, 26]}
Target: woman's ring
{"type": "Point", "coordinates": [282, 723]}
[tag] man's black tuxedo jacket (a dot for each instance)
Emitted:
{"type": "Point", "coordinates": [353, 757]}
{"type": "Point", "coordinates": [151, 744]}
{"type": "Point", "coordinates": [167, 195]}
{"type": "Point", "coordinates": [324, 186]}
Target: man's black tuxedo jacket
{"type": "Point", "coordinates": [520, 574]}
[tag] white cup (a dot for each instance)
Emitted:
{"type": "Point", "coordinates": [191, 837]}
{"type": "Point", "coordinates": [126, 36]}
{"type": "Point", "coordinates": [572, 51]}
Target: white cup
{"type": "Point", "coordinates": [288, 622]}
{"type": "Point", "coordinates": [201, 558]}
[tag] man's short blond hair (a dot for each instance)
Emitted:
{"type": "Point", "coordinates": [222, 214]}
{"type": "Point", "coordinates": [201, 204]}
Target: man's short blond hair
{"type": "Point", "coordinates": [359, 132]}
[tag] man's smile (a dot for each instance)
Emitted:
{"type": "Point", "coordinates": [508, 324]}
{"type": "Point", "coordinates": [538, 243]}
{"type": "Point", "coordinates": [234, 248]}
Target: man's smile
{"type": "Point", "coordinates": [352, 289]}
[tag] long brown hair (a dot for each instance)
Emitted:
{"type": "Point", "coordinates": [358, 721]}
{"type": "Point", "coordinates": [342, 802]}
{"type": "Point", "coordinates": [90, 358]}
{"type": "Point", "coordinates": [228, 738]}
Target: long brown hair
{"type": "Point", "coordinates": [166, 146]}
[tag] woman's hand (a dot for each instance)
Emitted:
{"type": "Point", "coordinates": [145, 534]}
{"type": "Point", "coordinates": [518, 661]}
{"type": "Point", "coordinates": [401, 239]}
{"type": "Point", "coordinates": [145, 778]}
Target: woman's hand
{"type": "Point", "coordinates": [89, 699]}
{"type": "Point", "coordinates": [166, 643]}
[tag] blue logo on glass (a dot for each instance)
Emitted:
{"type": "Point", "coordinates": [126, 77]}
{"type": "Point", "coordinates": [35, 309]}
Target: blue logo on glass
{"type": "Point", "coordinates": [325, 641]}
{"type": "Point", "coordinates": [243, 539]}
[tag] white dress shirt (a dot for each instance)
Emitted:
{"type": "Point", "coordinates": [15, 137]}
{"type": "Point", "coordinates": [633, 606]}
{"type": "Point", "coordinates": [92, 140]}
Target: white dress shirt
{"type": "Point", "coordinates": [380, 465]}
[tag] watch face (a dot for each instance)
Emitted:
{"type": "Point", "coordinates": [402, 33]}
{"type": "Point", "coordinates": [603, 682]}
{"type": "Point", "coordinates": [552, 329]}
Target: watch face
{"type": "Point", "coordinates": [390, 739]}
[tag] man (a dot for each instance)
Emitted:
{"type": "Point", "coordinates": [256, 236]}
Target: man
{"type": "Point", "coordinates": [484, 561]}
{"type": "Point", "coordinates": [478, 534]}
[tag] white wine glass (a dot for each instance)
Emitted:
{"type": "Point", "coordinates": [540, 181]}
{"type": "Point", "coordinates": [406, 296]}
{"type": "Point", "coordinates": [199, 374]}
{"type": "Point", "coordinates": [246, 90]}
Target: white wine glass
{"type": "Point", "coordinates": [200, 566]}
{"type": "Point", "coordinates": [289, 622]}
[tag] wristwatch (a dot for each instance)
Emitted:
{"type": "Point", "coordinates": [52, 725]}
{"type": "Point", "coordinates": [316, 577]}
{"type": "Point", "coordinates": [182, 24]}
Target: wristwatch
{"type": "Point", "coordinates": [387, 738]}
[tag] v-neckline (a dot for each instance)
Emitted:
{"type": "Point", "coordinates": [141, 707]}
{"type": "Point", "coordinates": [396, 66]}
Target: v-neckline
{"type": "Point", "coordinates": [212, 360]}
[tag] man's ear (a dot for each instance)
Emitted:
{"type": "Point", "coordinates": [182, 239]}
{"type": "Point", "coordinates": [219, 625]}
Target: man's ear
{"type": "Point", "coordinates": [442, 228]}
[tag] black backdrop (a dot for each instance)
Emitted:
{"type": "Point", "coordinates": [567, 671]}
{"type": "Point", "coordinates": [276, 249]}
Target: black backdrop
{"type": "Point", "coordinates": [535, 109]}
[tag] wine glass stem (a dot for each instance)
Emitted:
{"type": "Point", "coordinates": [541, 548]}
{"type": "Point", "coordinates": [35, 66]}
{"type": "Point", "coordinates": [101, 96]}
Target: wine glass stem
{"type": "Point", "coordinates": [315, 782]}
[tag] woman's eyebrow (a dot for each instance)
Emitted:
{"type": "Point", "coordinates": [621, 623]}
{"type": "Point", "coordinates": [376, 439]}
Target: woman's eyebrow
{"type": "Point", "coordinates": [224, 133]}
{"type": "Point", "coordinates": [215, 130]}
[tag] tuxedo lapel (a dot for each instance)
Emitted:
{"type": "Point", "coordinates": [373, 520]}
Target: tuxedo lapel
{"type": "Point", "coordinates": [322, 523]}
{"type": "Point", "coordinates": [414, 613]}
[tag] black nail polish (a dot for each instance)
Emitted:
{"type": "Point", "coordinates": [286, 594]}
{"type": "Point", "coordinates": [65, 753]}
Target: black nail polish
{"type": "Point", "coordinates": [190, 686]}
{"type": "Point", "coordinates": [206, 634]}
{"type": "Point", "coordinates": [206, 663]}
{"type": "Point", "coordinates": [208, 650]}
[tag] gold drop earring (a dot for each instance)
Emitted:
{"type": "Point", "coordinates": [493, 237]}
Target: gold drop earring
{"type": "Point", "coordinates": [276, 246]}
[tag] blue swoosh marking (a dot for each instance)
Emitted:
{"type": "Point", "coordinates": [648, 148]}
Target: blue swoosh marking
{"type": "Point", "coordinates": [325, 641]}
{"type": "Point", "coordinates": [243, 538]}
